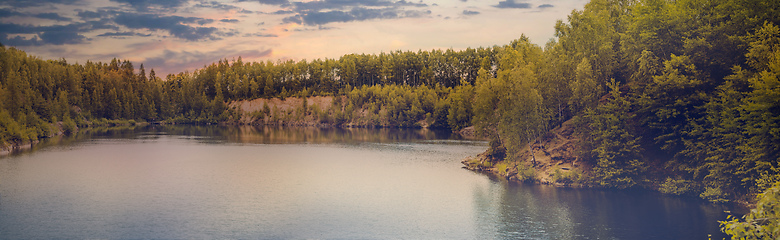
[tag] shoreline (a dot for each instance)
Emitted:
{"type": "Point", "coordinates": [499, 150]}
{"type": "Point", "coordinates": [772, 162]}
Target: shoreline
{"type": "Point", "coordinates": [7, 148]}
{"type": "Point", "coordinates": [494, 172]}
{"type": "Point", "coordinates": [557, 164]}
{"type": "Point", "coordinates": [554, 154]}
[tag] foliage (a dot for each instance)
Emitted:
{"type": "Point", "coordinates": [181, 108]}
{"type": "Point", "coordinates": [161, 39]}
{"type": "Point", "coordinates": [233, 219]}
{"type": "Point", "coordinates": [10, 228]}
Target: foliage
{"type": "Point", "coordinates": [390, 105]}
{"type": "Point", "coordinates": [36, 93]}
{"type": "Point", "coordinates": [615, 147]}
{"type": "Point", "coordinates": [471, 163]}
{"type": "Point", "coordinates": [567, 177]}
{"type": "Point", "coordinates": [10, 130]}
{"type": "Point", "coordinates": [502, 167]}
{"type": "Point", "coordinates": [69, 126]}
{"type": "Point", "coordinates": [460, 107]}
{"type": "Point", "coordinates": [496, 151]}
{"type": "Point", "coordinates": [508, 107]}
{"type": "Point", "coordinates": [586, 91]}
{"type": "Point", "coordinates": [676, 186]}
{"type": "Point", "coordinates": [767, 178]}
{"type": "Point", "coordinates": [714, 194]}
{"type": "Point", "coordinates": [525, 173]}
{"type": "Point", "coordinates": [763, 222]}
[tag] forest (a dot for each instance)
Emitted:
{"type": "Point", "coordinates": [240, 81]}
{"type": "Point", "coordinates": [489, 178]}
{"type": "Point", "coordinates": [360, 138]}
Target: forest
{"type": "Point", "coordinates": [682, 96]}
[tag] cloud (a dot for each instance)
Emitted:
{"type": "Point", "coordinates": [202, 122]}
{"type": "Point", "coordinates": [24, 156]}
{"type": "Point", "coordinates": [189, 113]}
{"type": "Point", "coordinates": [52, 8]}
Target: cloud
{"type": "Point", "coordinates": [175, 25]}
{"type": "Point", "coordinates": [97, 25]}
{"type": "Point", "coordinates": [4, 12]}
{"type": "Point", "coordinates": [512, 4]}
{"type": "Point", "coordinates": [174, 62]}
{"type": "Point", "coordinates": [216, 5]}
{"type": "Point", "coordinates": [469, 12]}
{"type": "Point", "coordinates": [260, 35]}
{"type": "Point", "coordinates": [345, 4]}
{"type": "Point", "coordinates": [49, 15]}
{"type": "Point", "coordinates": [319, 28]}
{"type": "Point", "coordinates": [282, 12]}
{"type": "Point", "coordinates": [328, 11]}
{"type": "Point", "coordinates": [59, 35]}
{"type": "Point", "coordinates": [222, 6]}
{"type": "Point", "coordinates": [91, 14]}
{"type": "Point", "coordinates": [123, 34]}
{"type": "Point", "coordinates": [268, 2]}
{"type": "Point", "coordinates": [117, 34]}
{"type": "Point", "coordinates": [19, 41]}
{"type": "Point", "coordinates": [54, 34]}
{"type": "Point", "coordinates": [356, 14]}
{"type": "Point", "coordinates": [545, 6]}
{"type": "Point", "coordinates": [229, 20]}
{"type": "Point", "coordinates": [16, 28]}
{"type": "Point", "coordinates": [144, 5]}
{"type": "Point", "coordinates": [34, 3]}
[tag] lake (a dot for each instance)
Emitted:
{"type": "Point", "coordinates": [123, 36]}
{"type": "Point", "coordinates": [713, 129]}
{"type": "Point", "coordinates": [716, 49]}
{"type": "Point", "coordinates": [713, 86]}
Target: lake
{"type": "Point", "coordinates": [213, 182]}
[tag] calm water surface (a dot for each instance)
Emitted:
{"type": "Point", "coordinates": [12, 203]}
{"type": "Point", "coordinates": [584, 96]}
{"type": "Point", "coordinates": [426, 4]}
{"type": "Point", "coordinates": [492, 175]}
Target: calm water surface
{"type": "Point", "coordinates": [249, 183]}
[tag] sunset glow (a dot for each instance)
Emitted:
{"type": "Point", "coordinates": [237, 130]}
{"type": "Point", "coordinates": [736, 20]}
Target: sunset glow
{"type": "Point", "coordinates": [173, 36]}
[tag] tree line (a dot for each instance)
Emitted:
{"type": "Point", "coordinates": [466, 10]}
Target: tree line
{"type": "Point", "coordinates": [239, 80]}
{"type": "Point", "coordinates": [37, 93]}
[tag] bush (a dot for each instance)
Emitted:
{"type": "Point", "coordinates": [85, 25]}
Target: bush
{"type": "Point", "coordinates": [275, 118]}
{"type": "Point", "coordinates": [502, 168]}
{"type": "Point", "coordinates": [69, 126]}
{"type": "Point", "coordinates": [676, 187]}
{"type": "Point", "coordinates": [10, 130]}
{"type": "Point", "coordinates": [714, 194]}
{"type": "Point", "coordinates": [496, 151]}
{"type": "Point", "coordinates": [266, 109]}
{"type": "Point", "coordinates": [763, 222]}
{"type": "Point", "coordinates": [487, 164]}
{"type": "Point", "coordinates": [611, 174]}
{"type": "Point", "coordinates": [476, 163]}
{"type": "Point", "coordinates": [257, 115]}
{"type": "Point", "coordinates": [567, 177]}
{"type": "Point", "coordinates": [525, 173]}
{"type": "Point", "coordinates": [767, 178]}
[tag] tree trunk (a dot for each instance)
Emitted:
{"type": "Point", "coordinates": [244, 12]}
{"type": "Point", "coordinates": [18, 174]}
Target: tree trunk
{"type": "Point", "coordinates": [533, 157]}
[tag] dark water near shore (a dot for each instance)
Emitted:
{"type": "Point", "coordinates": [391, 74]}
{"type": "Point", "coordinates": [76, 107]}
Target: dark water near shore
{"type": "Point", "coordinates": [185, 182]}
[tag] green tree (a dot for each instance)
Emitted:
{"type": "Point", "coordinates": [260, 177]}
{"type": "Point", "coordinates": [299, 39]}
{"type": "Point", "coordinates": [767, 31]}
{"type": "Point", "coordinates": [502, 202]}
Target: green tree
{"type": "Point", "coordinates": [761, 108]}
{"type": "Point", "coordinates": [460, 112]}
{"type": "Point", "coordinates": [585, 89]}
{"type": "Point", "coordinates": [672, 101]}
{"type": "Point", "coordinates": [615, 146]}
{"type": "Point", "coordinates": [508, 108]}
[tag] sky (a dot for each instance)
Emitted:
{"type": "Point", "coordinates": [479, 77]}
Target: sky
{"type": "Point", "coordinates": [172, 36]}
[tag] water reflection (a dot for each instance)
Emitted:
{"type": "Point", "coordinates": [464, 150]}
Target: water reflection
{"type": "Point", "coordinates": [523, 211]}
{"type": "Point", "coordinates": [117, 132]}
{"type": "Point", "coordinates": [267, 182]}
{"type": "Point", "coordinates": [158, 183]}
{"type": "Point", "coordinates": [248, 135]}
{"type": "Point", "coordinates": [294, 135]}
{"type": "Point", "coordinates": [279, 135]}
